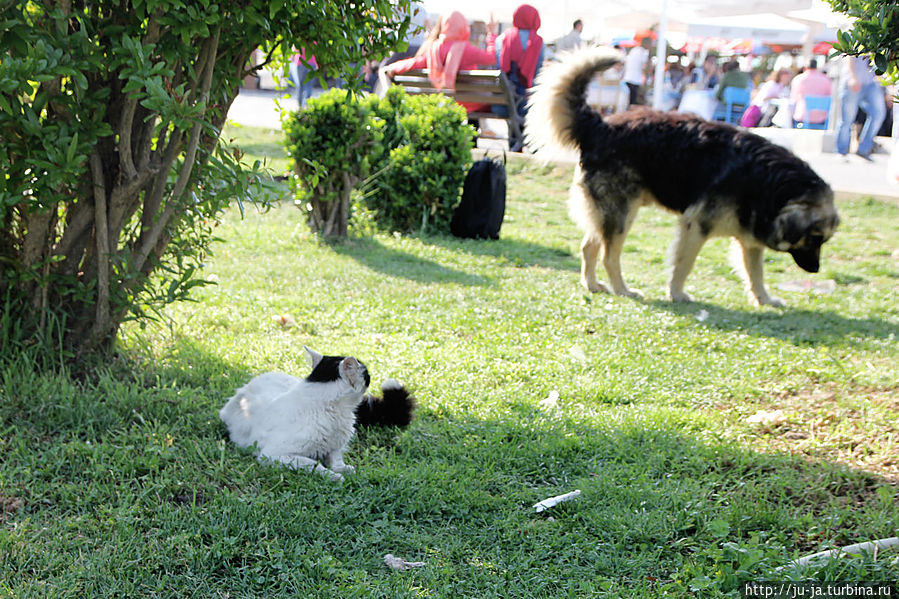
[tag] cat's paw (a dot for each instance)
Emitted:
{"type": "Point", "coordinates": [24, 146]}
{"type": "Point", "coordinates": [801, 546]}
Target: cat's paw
{"type": "Point", "coordinates": [335, 476]}
{"type": "Point", "coordinates": [327, 472]}
{"type": "Point", "coordinates": [343, 469]}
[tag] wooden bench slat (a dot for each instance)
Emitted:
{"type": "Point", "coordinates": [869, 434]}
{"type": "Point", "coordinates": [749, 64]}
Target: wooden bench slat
{"type": "Point", "coordinates": [479, 86]}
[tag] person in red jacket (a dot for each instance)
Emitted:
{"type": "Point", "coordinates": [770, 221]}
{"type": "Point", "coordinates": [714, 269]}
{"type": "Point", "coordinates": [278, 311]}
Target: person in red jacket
{"type": "Point", "coordinates": [520, 53]}
{"type": "Point", "coordinates": [450, 53]}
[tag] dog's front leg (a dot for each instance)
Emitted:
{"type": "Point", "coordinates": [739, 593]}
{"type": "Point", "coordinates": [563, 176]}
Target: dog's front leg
{"type": "Point", "coordinates": [589, 252]}
{"type": "Point", "coordinates": [611, 260]}
{"type": "Point", "coordinates": [754, 268]}
{"type": "Point", "coordinates": [683, 255]}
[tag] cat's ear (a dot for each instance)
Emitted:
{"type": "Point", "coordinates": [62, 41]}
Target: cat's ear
{"type": "Point", "coordinates": [352, 371]}
{"type": "Point", "coordinates": [313, 356]}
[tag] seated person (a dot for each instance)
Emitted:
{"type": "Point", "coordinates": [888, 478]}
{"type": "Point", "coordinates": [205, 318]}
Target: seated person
{"type": "Point", "coordinates": [451, 53]}
{"type": "Point", "coordinates": [810, 82]}
{"type": "Point", "coordinates": [732, 77]}
{"type": "Point", "coordinates": [775, 87]}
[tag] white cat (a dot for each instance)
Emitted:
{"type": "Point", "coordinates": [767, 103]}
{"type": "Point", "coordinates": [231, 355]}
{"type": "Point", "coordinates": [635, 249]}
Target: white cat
{"type": "Point", "coordinates": [308, 423]}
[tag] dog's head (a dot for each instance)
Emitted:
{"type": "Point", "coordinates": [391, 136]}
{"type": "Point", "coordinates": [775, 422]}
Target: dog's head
{"type": "Point", "coordinates": [802, 227]}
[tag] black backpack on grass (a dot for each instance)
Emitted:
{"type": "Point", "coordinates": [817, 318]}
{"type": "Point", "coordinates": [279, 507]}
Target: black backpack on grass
{"type": "Point", "coordinates": [480, 213]}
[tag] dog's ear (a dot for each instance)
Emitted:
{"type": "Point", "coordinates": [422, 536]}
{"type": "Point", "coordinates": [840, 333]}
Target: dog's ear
{"type": "Point", "coordinates": [313, 356]}
{"type": "Point", "coordinates": [790, 226]}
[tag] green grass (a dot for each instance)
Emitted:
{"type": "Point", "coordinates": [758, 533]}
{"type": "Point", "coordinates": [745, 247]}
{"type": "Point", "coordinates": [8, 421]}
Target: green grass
{"type": "Point", "coordinates": [124, 485]}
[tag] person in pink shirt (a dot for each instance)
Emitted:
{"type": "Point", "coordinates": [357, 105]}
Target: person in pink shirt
{"type": "Point", "coordinates": [812, 82]}
{"type": "Point", "coordinates": [450, 53]}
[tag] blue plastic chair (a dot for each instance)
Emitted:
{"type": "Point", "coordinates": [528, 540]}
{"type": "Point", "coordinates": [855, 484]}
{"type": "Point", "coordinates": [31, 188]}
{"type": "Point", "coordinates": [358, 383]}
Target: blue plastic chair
{"type": "Point", "coordinates": [815, 103]}
{"type": "Point", "coordinates": [736, 99]}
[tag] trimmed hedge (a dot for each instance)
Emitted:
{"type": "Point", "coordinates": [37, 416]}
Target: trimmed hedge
{"type": "Point", "coordinates": [411, 152]}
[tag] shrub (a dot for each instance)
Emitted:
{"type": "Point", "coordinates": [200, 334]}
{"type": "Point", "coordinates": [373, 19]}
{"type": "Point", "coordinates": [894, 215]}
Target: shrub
{"type": "Point", "coordinates": [333, 142]}
{"type": "Point", "coordinates": [420, 186]}
{"type": "Point", "coordinates": [411, 151]}
{"type": "Point", "coordinates": [875, 33]}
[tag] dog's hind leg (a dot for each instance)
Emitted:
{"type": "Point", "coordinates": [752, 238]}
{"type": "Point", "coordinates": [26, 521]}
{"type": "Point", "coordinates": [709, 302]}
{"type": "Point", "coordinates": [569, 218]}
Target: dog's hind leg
{"type": "Point", "coordinates": [754, 271]}
{"type": "Point", "coordinates": [690, 238]}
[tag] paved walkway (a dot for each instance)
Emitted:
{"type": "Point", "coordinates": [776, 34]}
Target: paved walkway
{"type": "Point", "coordinates": [849, 177]}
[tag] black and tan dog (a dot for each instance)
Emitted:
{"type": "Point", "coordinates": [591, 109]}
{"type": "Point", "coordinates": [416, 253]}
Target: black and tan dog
{"type": "Point", "coordinates": [722, 180]}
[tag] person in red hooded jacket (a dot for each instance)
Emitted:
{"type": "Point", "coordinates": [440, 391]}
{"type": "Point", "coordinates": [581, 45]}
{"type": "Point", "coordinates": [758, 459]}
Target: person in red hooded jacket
{"type": "Point", "coordinates": [451, 53]}
{"type": "Point", "coordinates": [520, 49]}
{"type": "Point", "coordinates": [520, 56]}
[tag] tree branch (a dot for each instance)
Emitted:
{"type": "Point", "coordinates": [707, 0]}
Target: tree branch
{"type": "Point", "coordinates": [147, 244]}
{"type": "Point", "coordinates": [101, 321]}
{"type": "Point", "coordinates": [126, 117]}
{"type": "Point", "coordinates": [126, 154]}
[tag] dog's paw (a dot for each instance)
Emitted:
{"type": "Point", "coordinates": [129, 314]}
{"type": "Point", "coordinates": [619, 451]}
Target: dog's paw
{"type": "Point", "coordinates": [594, 286]}
{"type": "Point", "coordinates": [343, 469]}
{"type": "Point", "coordinates": [679, 296]}
{"type": "Point", "coordinates": [631, 293]}
{"type": "Point", "coordinates": [770, 300]}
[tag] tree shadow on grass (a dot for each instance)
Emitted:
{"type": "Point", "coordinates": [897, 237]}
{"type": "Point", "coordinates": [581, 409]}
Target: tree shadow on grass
{"type": "Point", "coordinates": [517, 252]}
{"type": "Point", "coordinates": [659, 492]}
{"type": "Point", "coordinates": [390, 261]}
{"type": "Point", "coordinates": [797, 326]}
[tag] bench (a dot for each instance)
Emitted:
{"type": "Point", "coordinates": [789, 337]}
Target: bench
{"type": "Point", "coordinates": [475, 87]}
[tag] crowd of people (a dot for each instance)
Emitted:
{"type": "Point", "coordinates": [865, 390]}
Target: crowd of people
{"type": "Point", "coordinates": [860, 98]}
{"type": "Point", "coordinates": [451, 43]}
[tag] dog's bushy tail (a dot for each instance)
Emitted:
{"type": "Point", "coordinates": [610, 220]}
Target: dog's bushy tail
{"type": "Point", "coordinates": [557, 109]}
{"type": "Point", "coordinates": [395, 408]}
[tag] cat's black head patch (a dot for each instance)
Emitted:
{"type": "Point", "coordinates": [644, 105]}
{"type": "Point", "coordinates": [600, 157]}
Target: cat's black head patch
{"type": "Point", "coordinates": [328, 370]}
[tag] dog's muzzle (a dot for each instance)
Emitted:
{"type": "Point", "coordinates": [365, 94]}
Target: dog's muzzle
{"type": "Point", "coordinates": [808, 259]}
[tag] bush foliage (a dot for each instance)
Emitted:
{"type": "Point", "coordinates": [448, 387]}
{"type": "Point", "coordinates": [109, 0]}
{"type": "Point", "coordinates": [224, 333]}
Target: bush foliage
{"type": "Point", "coordinates": [875, 33]}
{"type": "Point", "coordinates": [111, 178]}
{"type": "Point", "coordinates": [412, 152]}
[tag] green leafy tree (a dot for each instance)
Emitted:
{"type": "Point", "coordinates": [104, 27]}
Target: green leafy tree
{"type": "Point", "coordinates": [111, 174]}
{"type": "Point", "coordinates": [875, 33]}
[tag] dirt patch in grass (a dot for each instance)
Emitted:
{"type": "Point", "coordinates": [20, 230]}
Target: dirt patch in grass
{"type": "Point", "coordinates": [9, 506]}
{"type": "Point", "coordinates": [858, 427]}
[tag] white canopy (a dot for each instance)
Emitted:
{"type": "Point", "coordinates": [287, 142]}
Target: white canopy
{"type": "Point", "coordinates": [765, 27]}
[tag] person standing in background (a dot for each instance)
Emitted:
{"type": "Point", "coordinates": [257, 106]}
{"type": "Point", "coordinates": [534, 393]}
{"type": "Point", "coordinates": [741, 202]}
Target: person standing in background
{"type": "Point", "coordinates": [859, 89]}
{"type": "Point", "coordinates": [635, 65]}
{"type": "Point", "coordinates": [300, 67]}
{"type": "Point", "coordinates": [519, 54]}
{"type": "Point", "coordinates": [572, 40]}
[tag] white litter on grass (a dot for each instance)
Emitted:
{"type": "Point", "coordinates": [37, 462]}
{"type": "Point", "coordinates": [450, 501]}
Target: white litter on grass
{"type": "Point", "coordinates": [867, 547]}
{"type": "Point", "coordinates": [702, 316]}
{"type": "Point", "coordinates": [550, 502]}
{"type": "Point", "coordinates": [826, 286]}
{"type": "Point", "coordinates": [767, 418]}
{"type": "Point", "coordinates": [395, 563]}
{"type": "Point", "coordinates": [551, 402]}
{"type": "Point", "coordinates": [577, 353]}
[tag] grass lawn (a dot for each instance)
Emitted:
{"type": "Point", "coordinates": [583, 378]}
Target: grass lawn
{"type": "Point", "coordinates": [125, 486]}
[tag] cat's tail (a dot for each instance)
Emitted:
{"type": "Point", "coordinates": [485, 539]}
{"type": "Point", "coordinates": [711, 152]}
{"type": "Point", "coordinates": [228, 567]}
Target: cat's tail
{"type": "Point", "coordinates": [395, 408]}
